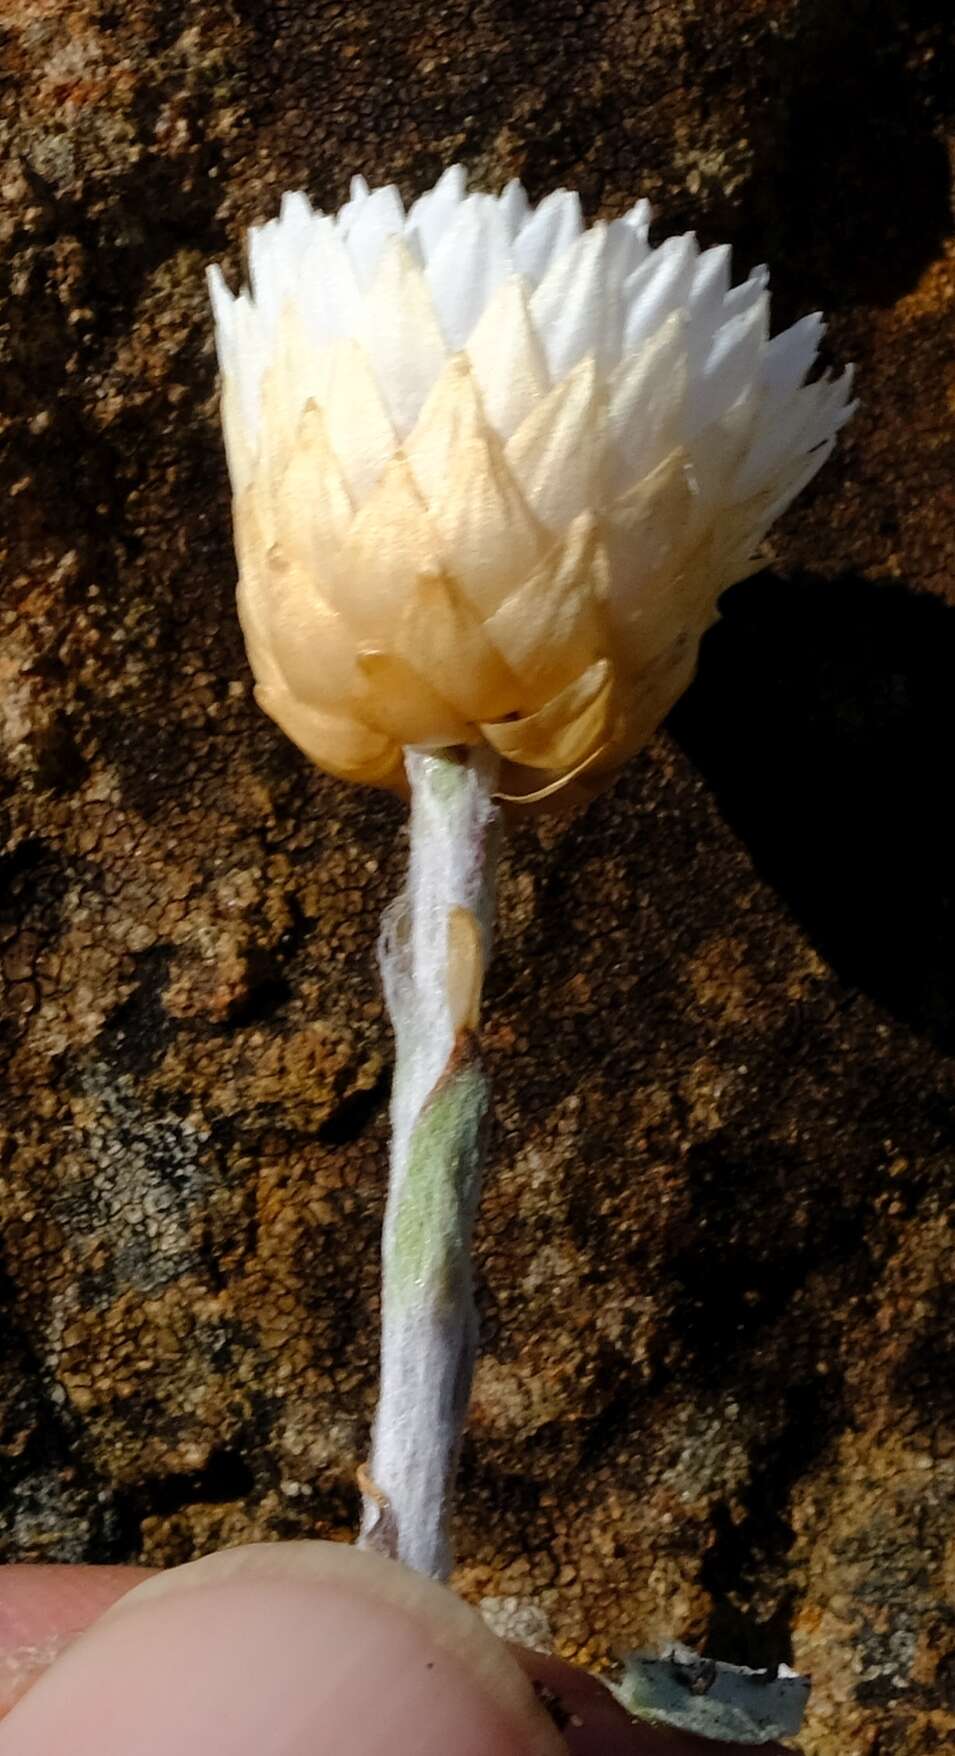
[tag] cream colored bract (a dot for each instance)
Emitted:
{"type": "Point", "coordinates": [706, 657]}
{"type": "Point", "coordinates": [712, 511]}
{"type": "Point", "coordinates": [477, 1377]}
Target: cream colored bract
{"type": "Point", "coordinates": [492, 471]}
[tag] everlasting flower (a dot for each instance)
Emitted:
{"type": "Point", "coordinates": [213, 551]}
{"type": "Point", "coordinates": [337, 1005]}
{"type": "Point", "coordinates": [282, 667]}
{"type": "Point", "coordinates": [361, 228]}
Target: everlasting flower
{"type": "Point", "coordinates": [493, 469]}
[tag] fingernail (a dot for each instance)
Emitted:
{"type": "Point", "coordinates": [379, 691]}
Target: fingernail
{"type": "Point", "coordinates": [288, 1648]}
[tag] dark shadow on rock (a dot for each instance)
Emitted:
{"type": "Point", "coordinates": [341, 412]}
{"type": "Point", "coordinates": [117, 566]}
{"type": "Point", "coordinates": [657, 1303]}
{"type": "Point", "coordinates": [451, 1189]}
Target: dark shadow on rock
{"type": "Point", "coordinates": [823, 718]}
{"type": "Point", "coordinates": [836, 122]}
{"type": "Point", "coordinates": [852, 190]}
{"type": "Point", "coordinates": [753, 1537]}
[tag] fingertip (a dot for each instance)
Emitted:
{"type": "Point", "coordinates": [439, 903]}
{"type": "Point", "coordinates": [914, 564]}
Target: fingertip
{"type": "Point", "coordinates": [290, 1648]}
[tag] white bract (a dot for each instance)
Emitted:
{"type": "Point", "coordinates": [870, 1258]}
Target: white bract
{"type": "Point", "coordinates": [492, 470]}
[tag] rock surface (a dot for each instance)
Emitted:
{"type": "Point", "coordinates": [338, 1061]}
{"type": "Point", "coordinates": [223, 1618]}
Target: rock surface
{"type": "Point", "coordinates": [715, 1255]}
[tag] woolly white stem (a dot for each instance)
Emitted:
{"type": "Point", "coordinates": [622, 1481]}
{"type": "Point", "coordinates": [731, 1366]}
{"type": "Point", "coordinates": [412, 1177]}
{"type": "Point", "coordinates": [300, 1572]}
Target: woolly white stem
{"type": "Point", "coordinates": [435, 943]}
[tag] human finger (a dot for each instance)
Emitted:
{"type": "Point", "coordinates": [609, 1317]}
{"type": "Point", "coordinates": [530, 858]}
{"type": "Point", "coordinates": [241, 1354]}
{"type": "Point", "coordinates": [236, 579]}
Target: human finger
{"type": "Point", "coordinates": [284, 1650]}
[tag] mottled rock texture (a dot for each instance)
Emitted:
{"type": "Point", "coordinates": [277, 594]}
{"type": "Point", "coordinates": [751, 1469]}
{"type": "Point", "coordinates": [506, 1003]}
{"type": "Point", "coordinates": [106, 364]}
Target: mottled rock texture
{"type": "Point", "coordinates": [715, 1397]}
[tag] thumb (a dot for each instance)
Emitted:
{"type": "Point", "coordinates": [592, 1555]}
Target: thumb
{"type": "Point", "coordinates": [284, 1650]}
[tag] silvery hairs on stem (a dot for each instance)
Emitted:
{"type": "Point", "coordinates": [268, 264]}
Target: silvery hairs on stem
{"type": "Point", "coordinates": [492, 471]}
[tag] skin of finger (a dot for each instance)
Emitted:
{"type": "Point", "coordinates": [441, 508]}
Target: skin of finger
{"type": "Point", "coordinates": [263, 1661]}
{"type": "Point", "coordinates": [42, 1609]}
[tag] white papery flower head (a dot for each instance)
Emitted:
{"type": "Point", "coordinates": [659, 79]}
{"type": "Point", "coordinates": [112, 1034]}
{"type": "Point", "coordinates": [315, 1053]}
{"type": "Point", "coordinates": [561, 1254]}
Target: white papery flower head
{"type": "Point", "coordinates": [492, 470]}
